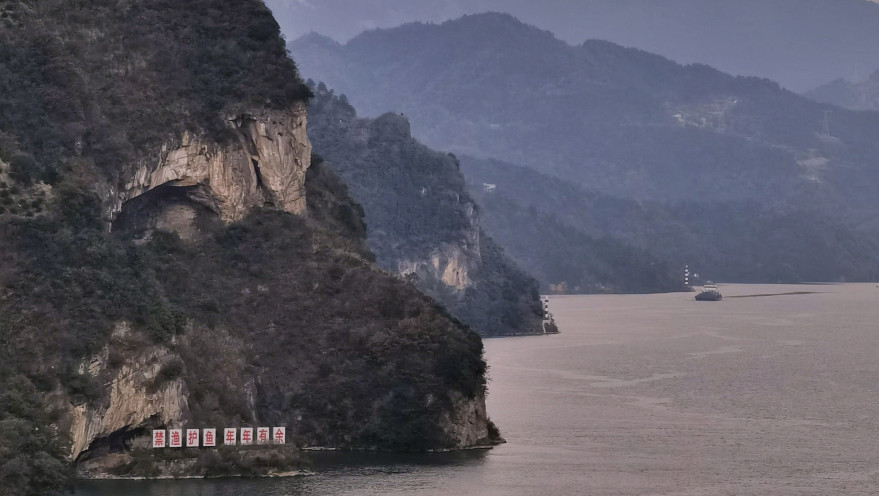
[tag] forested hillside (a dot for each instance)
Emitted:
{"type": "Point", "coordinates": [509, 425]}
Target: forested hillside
{"type": "Point", "coordinates": [168, 259]}
{"type": "Point", "coordinates": [561, 232]}
{"type": "Point", "coordinates": [93, 83]}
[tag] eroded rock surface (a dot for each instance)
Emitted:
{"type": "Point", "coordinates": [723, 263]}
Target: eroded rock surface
{"type": "Point", "coordinates": [468, 425]}
{"type": "Point", "coordinates": [137, 394]}
{"type": "Point", "coordinates": [265, 163]}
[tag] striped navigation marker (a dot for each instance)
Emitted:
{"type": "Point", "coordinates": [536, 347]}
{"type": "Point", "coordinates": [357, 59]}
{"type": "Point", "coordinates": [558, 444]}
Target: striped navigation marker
{"type": "Point", "coordinates": [686, 275]}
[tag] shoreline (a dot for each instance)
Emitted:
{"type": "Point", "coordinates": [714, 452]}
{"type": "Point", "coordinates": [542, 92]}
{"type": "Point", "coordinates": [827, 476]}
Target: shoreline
{"type": "Point", "coordinates": [289, 473]}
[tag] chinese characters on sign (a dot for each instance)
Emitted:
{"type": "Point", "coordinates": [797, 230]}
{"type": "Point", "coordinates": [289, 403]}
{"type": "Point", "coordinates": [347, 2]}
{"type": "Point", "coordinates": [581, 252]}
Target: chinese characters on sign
{"type": "Point", "coordinates": [279, 435]}
{"type": "Point", "coordinates": [209, 437]}
{"type": "Point", "coordinates": [158, 439]}
{"type": "Point", "coordinates": [262, 435]}
{"type": "Point", "coordinates": [174, 438]}
{"type": "Point", "coordinates": [230, 436]}
{"type": "Point", "coordinates": [191, 438]}
{"type": "Point", "coordinates": [246, 435]}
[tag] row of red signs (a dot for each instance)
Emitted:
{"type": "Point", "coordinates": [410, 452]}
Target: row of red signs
{"type": "Point", "coordinates": [193, 438]}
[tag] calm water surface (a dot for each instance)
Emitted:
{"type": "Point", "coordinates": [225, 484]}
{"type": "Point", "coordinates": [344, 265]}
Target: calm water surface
{"type": "Point", "coordinates": [650, 395]}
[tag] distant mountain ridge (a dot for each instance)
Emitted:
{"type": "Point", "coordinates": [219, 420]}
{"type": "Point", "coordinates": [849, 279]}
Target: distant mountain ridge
{"type": "Point", "coordinates": [862, 95]}
{"type": "Point", "coordinates": [621, 122]}
{"type": "Point", "coordinates": [799, 43]}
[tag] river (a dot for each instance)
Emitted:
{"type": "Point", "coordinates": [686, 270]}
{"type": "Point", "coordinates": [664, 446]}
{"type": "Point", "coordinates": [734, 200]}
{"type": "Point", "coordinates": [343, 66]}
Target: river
{"type": "Point", "coordinates": [761, 393]}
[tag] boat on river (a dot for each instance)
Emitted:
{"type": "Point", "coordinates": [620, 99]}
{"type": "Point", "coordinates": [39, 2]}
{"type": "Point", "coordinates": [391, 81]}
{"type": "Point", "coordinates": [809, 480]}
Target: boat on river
{"type": "Point", "coordinates": [709, 293]}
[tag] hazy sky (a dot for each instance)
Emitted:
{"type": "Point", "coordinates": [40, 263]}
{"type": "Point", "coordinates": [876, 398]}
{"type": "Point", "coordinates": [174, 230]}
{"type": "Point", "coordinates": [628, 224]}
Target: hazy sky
{"type": "Point", "coordinates": [799, 43]}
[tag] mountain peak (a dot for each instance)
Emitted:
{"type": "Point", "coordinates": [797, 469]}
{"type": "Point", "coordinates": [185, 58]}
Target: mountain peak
{"type": "Point", "coordinates": [316, 39]}
{"type": "Point", "coordinates": [494, 17]}
{"type": "Point", "coordinates": [487, 27]}
{"type": "Point", "coordinates": [497, 23]}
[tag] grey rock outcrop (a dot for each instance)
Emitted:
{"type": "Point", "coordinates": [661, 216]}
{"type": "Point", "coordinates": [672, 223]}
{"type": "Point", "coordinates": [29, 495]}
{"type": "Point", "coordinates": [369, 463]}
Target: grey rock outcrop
{"type": "Point", "coordinates": [264, 163]}
{"type": "Point", "coordinates": [135, 397]}
{"type": "Point", "coordinates": [451, 264]}
{"type": "Point", "coordinates": [468, 425]}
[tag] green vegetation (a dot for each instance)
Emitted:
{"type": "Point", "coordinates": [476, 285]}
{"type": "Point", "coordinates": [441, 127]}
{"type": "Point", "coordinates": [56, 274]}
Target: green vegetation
{"type": "Point", "coordinates": [330, 204]}
{"type": "Point", "coordinates": [416, 206]}
{"type": "Point", "coordinates": [31, 462]}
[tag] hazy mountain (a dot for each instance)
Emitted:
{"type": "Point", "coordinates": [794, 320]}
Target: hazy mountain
{"type": "Point", "coordinates": [569, 238]}
{"type": "Point", "coordinates": [604, 243]}
{"type": "Point", "coordinates": [422, 223]}
{"type": "Point", "coordinates": [799, 43]}
{"type": "Point", "coordinates": [617, 121]}
{"type": "Point", "coordinates": [863, 95]}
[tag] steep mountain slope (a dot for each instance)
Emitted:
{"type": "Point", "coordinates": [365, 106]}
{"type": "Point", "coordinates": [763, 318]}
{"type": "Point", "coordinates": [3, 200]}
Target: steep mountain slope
{"type": "Point", "coordinates": [170, 258]}
{"type": "Point", "coordinates": [862, 95]}
{"type": "Point", "coordinates": [799, 43]}
{"type": "Point", "coordinates": [422, 223]}
{"type": "Point", "coordinates": [620, 122]}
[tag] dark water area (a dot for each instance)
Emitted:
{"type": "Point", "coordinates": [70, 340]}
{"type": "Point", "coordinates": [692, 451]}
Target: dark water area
{"type": "Point", "coordinates": [648, 395]}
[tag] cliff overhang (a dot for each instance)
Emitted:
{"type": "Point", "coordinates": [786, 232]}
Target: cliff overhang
{"type": "Point", "coordinates": [261, 162]}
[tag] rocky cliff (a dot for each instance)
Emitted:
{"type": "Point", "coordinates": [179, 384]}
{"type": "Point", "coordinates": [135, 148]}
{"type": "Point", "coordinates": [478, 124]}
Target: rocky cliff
{"type": "Point", "coordinates": [234, 288]}
{"type": "Point", "coordinates": [136, 397]}
{"type": "Point", "coordinates": [264, 163]}
{"type": "Point", "coordinates": [448, 263]}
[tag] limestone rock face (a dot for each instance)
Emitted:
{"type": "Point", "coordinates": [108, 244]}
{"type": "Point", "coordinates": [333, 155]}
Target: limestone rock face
{"type": "Point", "coordinates": [454, 273]}
{"type": "Point", "coordinates": [264, 163]}
{"type": "Point", "coordinates": [450, 263]}
{"type": "Point", "coordinates": [136, 397]}
{"type": "Point", "coordinates": [467, 424]}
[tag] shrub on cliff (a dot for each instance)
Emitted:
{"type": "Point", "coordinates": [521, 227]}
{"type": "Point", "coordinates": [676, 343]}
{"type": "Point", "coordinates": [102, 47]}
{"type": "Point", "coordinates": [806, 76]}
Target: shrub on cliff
{"type": "Point", "coordinates": [30, 461]}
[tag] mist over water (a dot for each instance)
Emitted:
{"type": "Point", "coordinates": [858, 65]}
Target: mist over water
{"type": "Point", "coordinates": [650, 394]}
